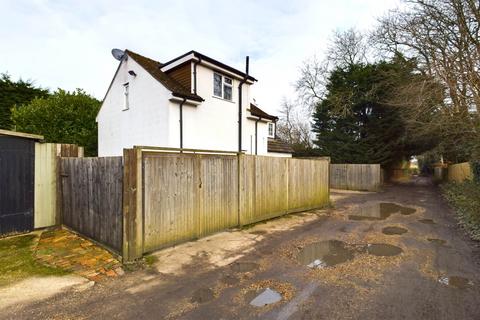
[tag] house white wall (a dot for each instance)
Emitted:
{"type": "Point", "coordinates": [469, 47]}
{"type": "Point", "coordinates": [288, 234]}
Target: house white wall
{"type": "Point", "coordinates": [213, 124]}
{"type": "Point", "coordinates": [146, 120]}
{"type": "Point", "coordinates": [153, 119]}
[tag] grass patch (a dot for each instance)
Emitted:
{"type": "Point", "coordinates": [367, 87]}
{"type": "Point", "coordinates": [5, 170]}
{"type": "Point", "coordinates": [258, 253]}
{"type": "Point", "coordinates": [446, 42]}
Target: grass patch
{"type": "Point", "coordinates": [150, 260]}
{"type": "Point", "coordinates": [465, 199]}
{"type": "Point", "coordinates": [17, 260]}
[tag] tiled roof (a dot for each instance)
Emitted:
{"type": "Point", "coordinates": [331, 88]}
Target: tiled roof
{"type": "Point", "coordinates": [277, 145]}
{"type": "Point", "coordinates": [256, 111]}
{"type": "Point", "coordinates": [153, 67]}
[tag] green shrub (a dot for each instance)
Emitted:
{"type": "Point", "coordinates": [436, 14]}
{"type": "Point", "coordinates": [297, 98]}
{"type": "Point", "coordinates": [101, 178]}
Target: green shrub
{"type": "Point", "coordinates": [465, 199]}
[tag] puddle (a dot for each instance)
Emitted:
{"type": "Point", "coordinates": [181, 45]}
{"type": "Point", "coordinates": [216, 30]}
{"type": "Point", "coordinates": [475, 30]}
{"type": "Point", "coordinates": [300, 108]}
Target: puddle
{"type": "Point", "coordinates": [244, 266]}
{"type": "Point", "coordinates": [383, 250]}
{"type": "Point", "coordinates": [379, 211]}
{"type": "Point", "coordinates": [325, 254]}
{"type": "Point", "coordinates": [268, 296]}
{"type": "Point", "coordinates": [440, 242]}
{"type": "Point", "coordinates": [202, 295]}
{"type": "Point", "coordinates": [427, 221]}
{"type": "Point", "coordinates": [456, 281]}
{"type": "Point", "coordinates": [394, 230]}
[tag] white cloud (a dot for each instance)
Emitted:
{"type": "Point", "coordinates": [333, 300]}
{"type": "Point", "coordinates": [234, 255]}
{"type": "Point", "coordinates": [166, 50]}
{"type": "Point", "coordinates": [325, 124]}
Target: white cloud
{"type": "Point", "coordinates": [67, 43]}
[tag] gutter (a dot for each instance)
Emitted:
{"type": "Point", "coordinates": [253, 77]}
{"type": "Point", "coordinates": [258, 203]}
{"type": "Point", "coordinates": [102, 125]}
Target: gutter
{"type": "Point", "coordinates": [247, 62]}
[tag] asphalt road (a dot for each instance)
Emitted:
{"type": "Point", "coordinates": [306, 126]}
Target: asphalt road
{"type": "Point", "coordinates": [429, 269]}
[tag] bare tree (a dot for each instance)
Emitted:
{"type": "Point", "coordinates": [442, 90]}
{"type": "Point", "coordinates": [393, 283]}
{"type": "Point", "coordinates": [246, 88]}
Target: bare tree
{"type": "Point", "coordinates": [348, 48]}
{"type": "Point", "coordinates": [293, 127]}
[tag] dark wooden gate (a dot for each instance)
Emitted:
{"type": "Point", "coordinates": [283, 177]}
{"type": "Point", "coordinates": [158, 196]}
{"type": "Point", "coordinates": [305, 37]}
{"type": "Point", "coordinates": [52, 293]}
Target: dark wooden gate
{"type": "Point", "coordinates": [17, 167]}
{"type": "Point", "coordinates": [91, 197]}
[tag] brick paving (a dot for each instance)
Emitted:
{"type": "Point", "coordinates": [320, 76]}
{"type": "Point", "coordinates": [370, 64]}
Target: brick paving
{"type": "Point", "coordinates": [64, 249]}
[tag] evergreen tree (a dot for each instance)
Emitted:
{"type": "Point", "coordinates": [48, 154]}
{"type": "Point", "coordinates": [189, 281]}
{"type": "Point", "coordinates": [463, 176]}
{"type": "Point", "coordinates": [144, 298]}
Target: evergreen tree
{"type": "Point", "coordinates": [63, 117]}
{"type": "Point", "coordinates": [15, 93]}
{"type": "Point", "coordinates": [360, 120]}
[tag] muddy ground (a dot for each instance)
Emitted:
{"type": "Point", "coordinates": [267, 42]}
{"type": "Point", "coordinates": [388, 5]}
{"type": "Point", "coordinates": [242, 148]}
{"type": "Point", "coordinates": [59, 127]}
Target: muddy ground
{"type": "Point", "coordinates": [217, 277]}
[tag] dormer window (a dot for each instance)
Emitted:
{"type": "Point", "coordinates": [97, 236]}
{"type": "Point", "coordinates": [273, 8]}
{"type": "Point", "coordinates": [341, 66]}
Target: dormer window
{"type": "Point", "coordinates": [222, 87]}
{"type": "Point", "coordinates": [271, 130]}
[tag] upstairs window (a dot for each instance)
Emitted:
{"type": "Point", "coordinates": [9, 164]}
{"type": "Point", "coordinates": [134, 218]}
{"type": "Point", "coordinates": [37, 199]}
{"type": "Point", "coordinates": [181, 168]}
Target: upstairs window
{"type": "Point", "coordinates": [125, 96]}
{"type": "Point", "coordinates": [271, 130]}
{"type": "Point", "coordinates": [222, 87]}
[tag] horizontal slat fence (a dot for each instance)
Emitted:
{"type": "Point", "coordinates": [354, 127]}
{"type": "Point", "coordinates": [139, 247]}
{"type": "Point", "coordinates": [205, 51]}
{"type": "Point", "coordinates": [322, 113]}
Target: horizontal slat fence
{"type": "Point", "coordinates": [365, 177]}
{"type": "Point", "coordinates": [91, 192]}
{"type": "Point", "coordinates": [459, 172]}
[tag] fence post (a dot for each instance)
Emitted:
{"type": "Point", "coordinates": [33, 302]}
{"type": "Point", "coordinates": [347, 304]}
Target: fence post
{"type": "Point", "coordinates": [132, 205]}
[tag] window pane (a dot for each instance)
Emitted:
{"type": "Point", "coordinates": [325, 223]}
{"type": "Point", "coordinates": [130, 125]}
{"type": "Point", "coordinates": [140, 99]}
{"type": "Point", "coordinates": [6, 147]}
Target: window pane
{"type": "Point", "coordinates": [227, 92]}
{"type": "Point", "coordinates": [217, 85]}
{"type": "Point", "coordinates": [227, 80]}
{"type": "Point", "coordinates": [270, 129]}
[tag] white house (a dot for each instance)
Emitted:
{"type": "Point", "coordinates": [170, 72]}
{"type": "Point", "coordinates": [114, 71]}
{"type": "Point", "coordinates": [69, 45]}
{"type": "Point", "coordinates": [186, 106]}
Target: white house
{"type": "Point", "coordinates": [192, 102]}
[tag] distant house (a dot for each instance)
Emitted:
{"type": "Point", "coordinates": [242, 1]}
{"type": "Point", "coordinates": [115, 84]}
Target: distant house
{"type": "Point", "coordinates": [192, 101]}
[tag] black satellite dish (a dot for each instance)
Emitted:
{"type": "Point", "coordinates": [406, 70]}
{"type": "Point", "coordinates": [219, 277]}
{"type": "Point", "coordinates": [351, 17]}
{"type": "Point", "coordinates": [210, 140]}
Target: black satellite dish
{"type": "Point", "coordinates": [118, 54]}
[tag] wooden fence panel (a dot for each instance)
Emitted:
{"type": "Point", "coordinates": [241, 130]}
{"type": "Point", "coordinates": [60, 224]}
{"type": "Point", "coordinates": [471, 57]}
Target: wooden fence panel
{"type": "Point", "coordinates": [459, 172]}
{"type": "Point", "coordinates": [170, 184]}
{"type": "Point", "coordinates": [45, 185]}
{"type": "Point", "coordinates": [91, 198]}
{"type": "Point", "coordinates": [355, 176]}
{"type": "Point", "coordinates": [188, 196]}
{"type": "Point", "coordinates": [274, 186]}
{"type": "Point", "coordinates": [308, 184]}
{"type": "Point", "coordinates": [218, 194]}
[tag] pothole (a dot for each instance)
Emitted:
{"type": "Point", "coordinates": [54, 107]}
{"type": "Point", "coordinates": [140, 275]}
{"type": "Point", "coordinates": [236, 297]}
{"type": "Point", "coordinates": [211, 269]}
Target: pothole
{"type": "Point", "coordinates": [383, 250]}
{"type": "Point", "coordinates": [393, 230]}
{"type": "Point", "coordinates": [203, 295]}
{"type": "Point", "coordinates": [244, 266]}
{"type": "Point", "coordinates": [325, 254]}
{"type": "Point", "coordinates": [426, 221]}
{"type": "Point", "coordinates": [379, 211]}
{"type": "Point", "coordinates": [456, 282]}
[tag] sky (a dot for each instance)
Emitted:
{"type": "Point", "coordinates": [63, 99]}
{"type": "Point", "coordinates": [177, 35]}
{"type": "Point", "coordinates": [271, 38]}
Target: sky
{"type": "Point", "coordinates": [67, 44]}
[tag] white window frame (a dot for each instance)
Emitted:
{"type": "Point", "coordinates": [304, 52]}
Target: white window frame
{"type": "Point", "coordinates": [223, 85]}
{"type": "Point", "coordinates": [126, 96]}
{"type": "Point", "coordinates": [272, 126]}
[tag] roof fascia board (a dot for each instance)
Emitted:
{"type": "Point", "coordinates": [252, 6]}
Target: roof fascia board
{"type": "Point", "coordinates": [224, 71]}
{"type": "Point", "coordinates": [178, 62]}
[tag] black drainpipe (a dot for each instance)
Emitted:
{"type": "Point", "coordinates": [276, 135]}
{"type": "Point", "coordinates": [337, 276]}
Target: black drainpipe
{"type": "Point", "coordinates": [181, 122]}
{"type": "Point", "coordinates": [247, 61]}
{"type": "Point", "coordinates": [256, 136]}
{"type": "Point", "coordinates": [195, 74]}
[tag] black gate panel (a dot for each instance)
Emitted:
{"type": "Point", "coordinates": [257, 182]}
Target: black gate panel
{"type": "Point", "coordinates": [17, 165]}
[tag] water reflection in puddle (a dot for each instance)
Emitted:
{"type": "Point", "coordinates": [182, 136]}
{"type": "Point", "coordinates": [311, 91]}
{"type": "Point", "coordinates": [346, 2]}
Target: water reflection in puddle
{"type": "Point", "coordinates": [329, 253]}
{"type": "Point", "coordinates": [379, 211]}
{"type": "Point", "coordinates": [383, 250]}
{"type": "Point", "coordinates": [393, 230]}
{"type": "Point", "coordinates": [456, 281]}
{"type": "Point", "coordinates": [325, 254]}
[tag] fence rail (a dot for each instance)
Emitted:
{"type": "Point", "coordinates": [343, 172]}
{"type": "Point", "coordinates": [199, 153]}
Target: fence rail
{"type": "Point", "coordinates": [366, 177]}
